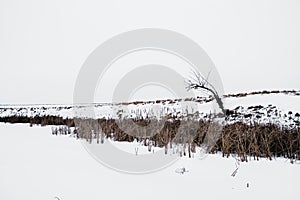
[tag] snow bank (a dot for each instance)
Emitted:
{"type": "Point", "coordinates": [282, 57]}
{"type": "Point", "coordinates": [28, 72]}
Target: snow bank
{"type": "Point", "coordinates": [37, 165]}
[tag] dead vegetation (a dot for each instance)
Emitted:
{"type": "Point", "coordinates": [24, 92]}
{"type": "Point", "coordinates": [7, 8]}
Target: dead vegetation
{"type": "Point", "coordinates": [245, 140]}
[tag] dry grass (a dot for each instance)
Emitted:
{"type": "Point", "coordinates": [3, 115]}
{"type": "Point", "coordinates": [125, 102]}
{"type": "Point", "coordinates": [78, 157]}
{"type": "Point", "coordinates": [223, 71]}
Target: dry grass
{"type": "Point", "coordinates": [255, 140]}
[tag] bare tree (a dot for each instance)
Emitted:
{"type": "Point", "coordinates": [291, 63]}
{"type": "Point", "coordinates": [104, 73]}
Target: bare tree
{"type": "Point", "coordinates": [198, 82]}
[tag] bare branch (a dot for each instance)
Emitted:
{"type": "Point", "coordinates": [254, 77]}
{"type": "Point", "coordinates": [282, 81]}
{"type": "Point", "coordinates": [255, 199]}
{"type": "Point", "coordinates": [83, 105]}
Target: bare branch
{"type": "Point", "coordinates": [198, 82]}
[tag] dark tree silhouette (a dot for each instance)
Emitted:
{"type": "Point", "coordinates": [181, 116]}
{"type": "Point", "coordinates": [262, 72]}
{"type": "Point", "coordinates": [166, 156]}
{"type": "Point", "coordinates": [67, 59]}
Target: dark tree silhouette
{"type": "Point", "coordinates": [198, 82]}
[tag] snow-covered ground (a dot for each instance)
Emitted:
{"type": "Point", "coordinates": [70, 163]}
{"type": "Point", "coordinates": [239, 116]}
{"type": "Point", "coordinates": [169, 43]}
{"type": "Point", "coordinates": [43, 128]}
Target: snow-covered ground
{"type": "Point", "coordinates": [274, 108]}
{"type": "Point", "coordinates": [37, 165]}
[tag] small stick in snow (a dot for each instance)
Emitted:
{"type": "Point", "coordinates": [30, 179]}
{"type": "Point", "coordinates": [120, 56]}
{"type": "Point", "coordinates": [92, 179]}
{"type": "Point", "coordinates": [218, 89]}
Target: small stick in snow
{"type": "Point", "coordinates": [234, 172]}
{"type": "Point", "coordinates": [237, 165]}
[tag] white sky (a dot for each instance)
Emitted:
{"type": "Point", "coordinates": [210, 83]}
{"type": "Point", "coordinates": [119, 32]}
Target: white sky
{"type": "Point", "coordinates": [254, 44]}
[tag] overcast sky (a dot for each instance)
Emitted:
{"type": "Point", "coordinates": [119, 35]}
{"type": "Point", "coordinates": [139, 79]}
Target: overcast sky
{"type": "Point", "coordinates": [254, 44]}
